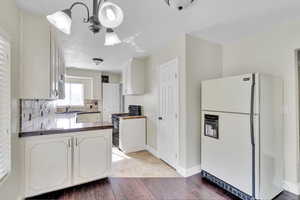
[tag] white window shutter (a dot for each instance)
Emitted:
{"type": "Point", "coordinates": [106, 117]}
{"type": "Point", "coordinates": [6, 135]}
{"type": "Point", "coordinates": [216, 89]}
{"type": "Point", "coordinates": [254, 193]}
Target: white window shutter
{"type": "Point", "coordinates": [5, 104]}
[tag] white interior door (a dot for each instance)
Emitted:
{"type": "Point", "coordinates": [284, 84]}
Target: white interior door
{"type": "Point", "coordinates": [111, 100]}
{"type": "Point", "coordinates": [168, 117]}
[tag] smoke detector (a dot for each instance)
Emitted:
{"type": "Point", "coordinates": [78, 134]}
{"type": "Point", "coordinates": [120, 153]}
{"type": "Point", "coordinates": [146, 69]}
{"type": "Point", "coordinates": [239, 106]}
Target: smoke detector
{"type": "Point", "coordinates": [98, 61]}
{"type": "Point", "coordinates": [179, 4]}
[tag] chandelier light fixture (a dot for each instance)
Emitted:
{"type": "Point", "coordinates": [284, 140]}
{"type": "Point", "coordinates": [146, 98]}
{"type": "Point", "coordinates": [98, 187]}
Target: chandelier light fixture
{"type": "Point", "coordinates": [179, 4]}
{"type": "Point", "coordinates": [105, 14]}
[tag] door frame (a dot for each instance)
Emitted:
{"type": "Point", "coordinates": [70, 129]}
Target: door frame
{"type": "Point", "coordinates": [176, 61]}
{"type": "Point", "coordinates": [297, 87]}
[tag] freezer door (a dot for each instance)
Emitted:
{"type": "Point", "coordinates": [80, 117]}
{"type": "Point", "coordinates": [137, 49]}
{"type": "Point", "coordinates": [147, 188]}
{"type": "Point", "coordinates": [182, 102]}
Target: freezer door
{"type": "Point", "coordinates": [231, 94]}
{"type": "Point", "coordinates": [226, 148]}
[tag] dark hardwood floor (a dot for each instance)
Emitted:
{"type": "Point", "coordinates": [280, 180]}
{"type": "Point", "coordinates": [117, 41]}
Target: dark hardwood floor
{"type": "Point", "coordinates": [192, 188]}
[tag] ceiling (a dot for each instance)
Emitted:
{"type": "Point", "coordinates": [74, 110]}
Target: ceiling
{"type": "Point", "coordinates": [148, 24]}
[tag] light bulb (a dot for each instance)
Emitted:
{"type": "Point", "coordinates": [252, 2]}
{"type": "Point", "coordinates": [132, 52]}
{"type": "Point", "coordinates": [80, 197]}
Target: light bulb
{"type": "Point", "coordinates": [61, 20]}
{"type": "Point", "coordinates": [111, 38]}
{"type": "Point", "coordinates": [110, 14]}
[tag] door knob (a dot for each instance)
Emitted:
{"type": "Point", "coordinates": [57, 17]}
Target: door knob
{"type": "Point", "coordinates": [160, 118]}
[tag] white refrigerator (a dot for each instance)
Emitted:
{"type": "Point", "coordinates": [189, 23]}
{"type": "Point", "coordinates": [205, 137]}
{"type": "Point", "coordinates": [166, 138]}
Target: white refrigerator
{"type": "Point", "coordinates": [241, 140]}
{"type": "Point", "coordinates": [112, 100]}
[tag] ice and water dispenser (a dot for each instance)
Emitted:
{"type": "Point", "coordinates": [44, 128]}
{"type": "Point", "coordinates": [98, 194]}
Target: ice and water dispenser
{"type": "Point", "coordinates": [211, 126]}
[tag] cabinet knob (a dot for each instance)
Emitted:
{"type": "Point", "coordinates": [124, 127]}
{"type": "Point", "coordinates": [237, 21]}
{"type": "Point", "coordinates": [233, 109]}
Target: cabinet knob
{"type": "Point", "coordinates": [160, 118]}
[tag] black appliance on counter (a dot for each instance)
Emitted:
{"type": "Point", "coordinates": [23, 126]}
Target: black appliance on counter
{"type": "Point", "coordinates": [134, 110]}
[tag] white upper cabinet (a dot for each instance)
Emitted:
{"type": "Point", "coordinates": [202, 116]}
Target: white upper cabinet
{"type": "Point", "coordinates": [133, 77]}
{"type": "Point", "coordinates": [42, 64]}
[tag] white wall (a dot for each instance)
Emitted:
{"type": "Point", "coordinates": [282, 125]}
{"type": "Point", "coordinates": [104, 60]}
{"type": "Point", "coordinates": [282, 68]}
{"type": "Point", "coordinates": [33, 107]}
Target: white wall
{"type": "Point", "coordinates": [9, 26]}
{"type": "Point", "coordinates": [174, 49]}
{"type": "Point", "coordinates": [203, 61]}
{"type": "Point", "coordinates": [198, 60]}
{"type": "Point", "coordinates": [273, 52]}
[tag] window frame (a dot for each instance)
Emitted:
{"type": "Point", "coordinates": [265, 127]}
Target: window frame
{"type": "Point", "coordinates": [70, 92]}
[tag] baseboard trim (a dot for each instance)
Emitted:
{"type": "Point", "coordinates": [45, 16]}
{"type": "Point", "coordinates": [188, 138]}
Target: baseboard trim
{"type": "Point", "coordinates": [182, 171]}
{"type": "Point", "coordinates": [152, 151]}
{"type": "Point", "coordinates": [292, 187]}
{"type": "Point", "coordinates": [135, 149]}
{"type": "Point", "coordinates": [190, 171]}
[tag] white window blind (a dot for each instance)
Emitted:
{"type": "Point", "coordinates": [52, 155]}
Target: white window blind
{"type": "Point", "coordinates": [5, 158]}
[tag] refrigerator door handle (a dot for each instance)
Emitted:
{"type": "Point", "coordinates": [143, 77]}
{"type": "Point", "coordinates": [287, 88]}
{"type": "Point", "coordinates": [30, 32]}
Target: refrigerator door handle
{"type": "Point", "coordinates": [252, 133]}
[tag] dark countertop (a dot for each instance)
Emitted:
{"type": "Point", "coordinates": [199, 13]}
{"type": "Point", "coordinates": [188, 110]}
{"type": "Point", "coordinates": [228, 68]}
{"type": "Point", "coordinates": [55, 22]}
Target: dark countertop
{"type": "Point", "coordinates": [133, 117]}
{"type": "Point", "coordinates": [64, 123]}
{"type": "Point", "coordinates": [78, 112]}
{"type": "Point", "coordinates": [82, 113]}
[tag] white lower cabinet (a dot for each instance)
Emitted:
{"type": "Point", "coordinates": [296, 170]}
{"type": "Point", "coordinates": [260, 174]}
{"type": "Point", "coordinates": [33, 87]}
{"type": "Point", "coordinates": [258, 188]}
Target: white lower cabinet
{"type": "Point", "coordinates": [92, 157]}
{"type": "Point", "coordinates": [55, 162]}
{"type": "Point", "coordinates": [132, 134]}
{"type": "Point", "coordinates": [48, 165]}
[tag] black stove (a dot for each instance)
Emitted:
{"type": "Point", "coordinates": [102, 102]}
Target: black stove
{"type": "Point", "coordinates": [134, 110]}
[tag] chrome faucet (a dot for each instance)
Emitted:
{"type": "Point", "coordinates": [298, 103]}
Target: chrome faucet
{"type": "Point", "coordinates": [68, 108]}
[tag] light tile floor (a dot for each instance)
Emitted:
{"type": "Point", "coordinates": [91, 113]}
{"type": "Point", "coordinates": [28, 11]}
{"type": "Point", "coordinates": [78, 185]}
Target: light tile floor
{"type": "Point", "coordinates": [139, 164]}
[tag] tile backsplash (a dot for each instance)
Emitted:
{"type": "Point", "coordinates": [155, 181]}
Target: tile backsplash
{"type": "Point", "coordinates": [90, 105]}
{"type": "Point", "coordinates": [36, 114]}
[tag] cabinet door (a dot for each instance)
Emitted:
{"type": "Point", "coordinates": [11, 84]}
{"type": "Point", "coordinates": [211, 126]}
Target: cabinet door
{"type": "Point", "coordinates": [133, 77]}
{"type": "Point", "coordinates": [35, 57]}
{"type": "Point", "coordinates": [47, 165]}
{"type": "Point", "coordinates": [92, 156]}
{"type": "Point", "coordinates": [132, 135]}
{"type": "Point", "coordinates": [125, 80]}
{"type": "Point", "coordinates": [137, 77]}
{"type": "Point", "coordinates": [61, 76]}
{"type": "Point", "coordinates": [52, 67]}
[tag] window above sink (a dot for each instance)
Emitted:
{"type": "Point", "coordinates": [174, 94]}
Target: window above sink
{"type": "Point", "coordinates": [74, 95]}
